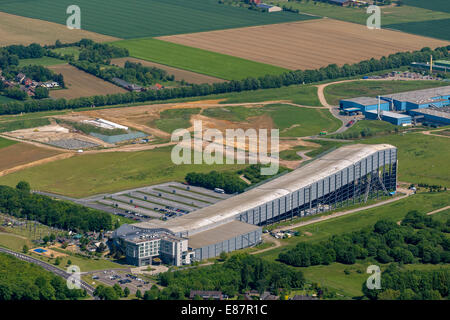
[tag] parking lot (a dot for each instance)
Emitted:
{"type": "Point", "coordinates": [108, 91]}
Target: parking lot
{"type": "Point", "coordinates": [123, 279]}
{"type": "Point", "coordinates": [163, 201]}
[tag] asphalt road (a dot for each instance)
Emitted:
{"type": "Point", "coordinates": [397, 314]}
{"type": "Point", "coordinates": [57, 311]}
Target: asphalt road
{"type": "Point", "coordinates": [48, 267]}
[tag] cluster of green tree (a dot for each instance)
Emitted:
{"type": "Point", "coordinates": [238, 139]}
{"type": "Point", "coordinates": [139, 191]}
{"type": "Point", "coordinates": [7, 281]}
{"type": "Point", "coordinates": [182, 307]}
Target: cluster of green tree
{"type": "Point", "coordinates": [100, 53]}
{"type": "Point", "coordinates": [111, 293]}
{"type": "Point", "coordinates": [419, 238]}
{"type": "Point", "coordinates": [10, 55]}
{"type": "Point", "coordinates": [253, 173]}
{"type": "Point", "coordinates": [432, 187]}
{"type": "Point", "coordinates": [228, 181]}
{"type": "Point", "coordinates": [21, 203]}
{"type": "Point", "coordinates": [265, 82]}
{"type": "Point", "coordinates": [15, 93]}
{"type": "Point", "coordinates": [20, 280]}
{"type": "Point", "coordinates": [411, 285]}
{"type": "Point", "coordinates": [238, 273]}
{"type": "Point", "coordinates": [134, 73]}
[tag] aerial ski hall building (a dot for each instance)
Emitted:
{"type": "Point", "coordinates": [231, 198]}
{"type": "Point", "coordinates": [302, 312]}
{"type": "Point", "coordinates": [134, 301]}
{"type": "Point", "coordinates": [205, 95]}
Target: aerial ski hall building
{"type": "Point", "coordinates": [345, 176]}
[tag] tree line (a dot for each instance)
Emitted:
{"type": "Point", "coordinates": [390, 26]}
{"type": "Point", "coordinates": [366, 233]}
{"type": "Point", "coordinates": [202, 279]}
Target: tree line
{"type": "Point", "coordinates": [418, 239]}
{"type": "Point", "coordinates": [265, 82]}
{"type": "Point", "coordinates": [20, 202]}
{"type": "Point", "coordinates": [20, 280]}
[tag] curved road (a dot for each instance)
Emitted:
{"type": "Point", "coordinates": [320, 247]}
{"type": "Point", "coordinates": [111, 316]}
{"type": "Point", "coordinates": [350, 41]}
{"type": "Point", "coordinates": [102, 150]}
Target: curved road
{"type": "Point", "coordinates": [48, 267]}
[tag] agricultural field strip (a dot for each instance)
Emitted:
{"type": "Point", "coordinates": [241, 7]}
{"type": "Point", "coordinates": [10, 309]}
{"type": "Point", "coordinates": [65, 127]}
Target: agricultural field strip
{"type": "Point", "coordinates": [21, 30]}
{"type": "Point", "coordinates": [148, 18]}
{"type": "Point", "coordinates": [324, 35]}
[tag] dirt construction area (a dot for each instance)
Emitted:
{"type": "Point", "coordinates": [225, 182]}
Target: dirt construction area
{"type": "Point", "coordinates": [307, 44]}
{"type": "Point", "coordinates": [21, 30]}
{"type": "Point", "coordinates": [81, 84]}
{"type": "Point", "coordinates": [57, 136]}
{"type": "Point", "coordinates": [179, 74]}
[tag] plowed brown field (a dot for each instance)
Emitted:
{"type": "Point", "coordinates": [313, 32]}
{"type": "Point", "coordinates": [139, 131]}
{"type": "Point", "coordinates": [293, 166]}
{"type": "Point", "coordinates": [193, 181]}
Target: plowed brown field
{"type": "Point", "coordinates": [81, 84]}
{"type": "Point", "coordinates": [21, 30]}
{"type": "Point", "coordinates": [21, 154]}
{"type": "Point", "coordinates": [306, 45]}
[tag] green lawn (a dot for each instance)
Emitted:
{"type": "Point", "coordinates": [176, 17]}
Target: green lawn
{"type": "Point", "coordinates": [422, 158]}
{"type": "Point", "coordinates": [148, 18]}
{"type": "Point", "coordinates": [6, 143]}
{"type": "Point", "coordinates": [336, 92]}
{"type": "Point", "coordinates": [197, 60]}
{"type": "Point", "coordinates": [44, 61]}
{"type": "Point", "coordinates": [86, 175]}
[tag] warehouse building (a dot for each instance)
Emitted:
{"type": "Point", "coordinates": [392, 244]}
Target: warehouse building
{"type": "Point", "coordinates": [432, 115]}
{"type": "Point", "coordinates": [362, 104]}
{"type": "Point", "coordinates": [345, 176]}
{"type": "Point", "coordinates": [405, 101]}
{"type": "Point", "coordinates": [395, 118]}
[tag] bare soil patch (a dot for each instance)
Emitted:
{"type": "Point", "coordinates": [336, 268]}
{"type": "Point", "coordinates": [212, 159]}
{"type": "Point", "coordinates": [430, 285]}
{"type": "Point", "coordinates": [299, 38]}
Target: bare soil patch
{"type": "Point", "coordinates": [307, 44]}
{"type": "Point", "coordinates": [21, 30]}
{"type": "Point", "coordinates": [81, 84]}
{"type": "Point", "coordinates": [180, 74]}
{"type": "Point", "coordinates": [21, 154]}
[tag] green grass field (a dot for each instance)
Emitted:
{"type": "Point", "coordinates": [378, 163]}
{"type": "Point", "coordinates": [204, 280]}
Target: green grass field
{"type": "Point", "coordinates": [197, 60]}
{"type": "Point", "coordinates": [75, 51]}
{"type": "Point", "coordinates": [424, 12]}
{"type": "Point", "coordinates": [6, 143]}
{"type": "Point", "coordinates": [336, 92]}
{"type": "Point", "coordinates": [422, 158]}
{"type": "Point", "coordinates": [173, 119]}
{"type": "Point", "coordinates": [292, 121]}
{"type": "Point", "coordinates": [150, 18]}
{"type": "Point", "coordinates": [13, 241]}
{"type": "Point", "coordinates": [375, 127]}
{"type": "Point", "coordinates": [86, 175]}
{"type": "Point", "coordinates": [437, 5]}
{"type": "Point", "coordinates": [303, 95]}
{"type": "Point", "coordinates": [44, 61]}
{"type": "Point", "coordinates": [429, 28]}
